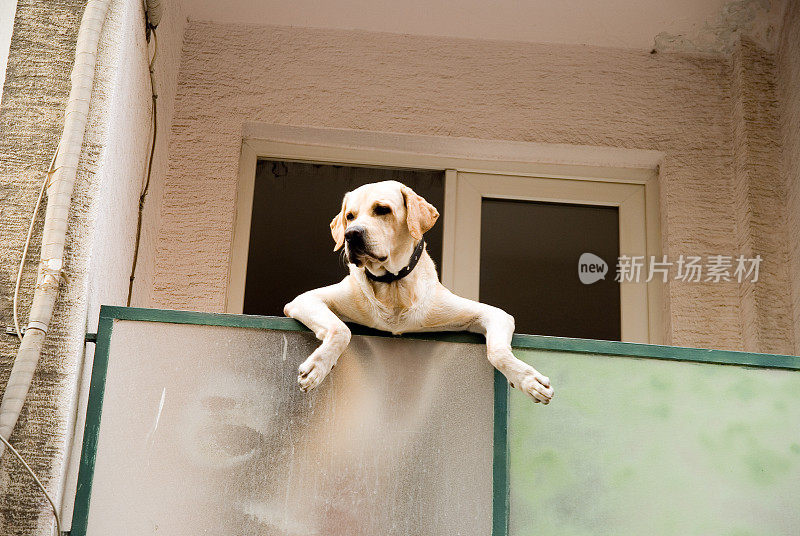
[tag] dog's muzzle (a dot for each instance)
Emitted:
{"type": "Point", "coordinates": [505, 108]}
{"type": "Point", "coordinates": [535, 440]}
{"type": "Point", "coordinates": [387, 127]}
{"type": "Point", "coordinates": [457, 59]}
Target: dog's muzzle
{"type": "Point", "coordinates": [356, 244]}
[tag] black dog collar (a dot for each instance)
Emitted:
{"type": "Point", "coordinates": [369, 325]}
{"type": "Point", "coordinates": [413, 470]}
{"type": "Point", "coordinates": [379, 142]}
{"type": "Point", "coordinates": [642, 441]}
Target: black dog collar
{"type": "Point", "coordinates": [389, 277]}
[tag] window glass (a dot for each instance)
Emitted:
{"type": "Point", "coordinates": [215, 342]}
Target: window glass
{"type": "Point", "coordinates": [529, 266]}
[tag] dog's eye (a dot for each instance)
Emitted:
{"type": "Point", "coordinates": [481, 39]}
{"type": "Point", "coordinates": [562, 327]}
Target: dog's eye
{"type": "Point", "coordinates": [350, 216]}
{"type": "Point", "coordinates": [382, 210]}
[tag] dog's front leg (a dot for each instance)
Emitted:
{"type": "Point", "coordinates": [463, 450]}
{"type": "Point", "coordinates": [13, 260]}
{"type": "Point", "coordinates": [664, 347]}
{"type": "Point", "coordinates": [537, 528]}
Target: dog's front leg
{"type": "Point", "coordinates": [454, 312]}
{"type": "Point", "coordinates": [312, 310]}
{"type": "Point", "coordinates": [498, 327]}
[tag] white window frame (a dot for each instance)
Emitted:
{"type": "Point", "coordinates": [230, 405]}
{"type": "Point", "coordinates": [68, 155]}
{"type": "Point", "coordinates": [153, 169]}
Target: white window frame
{"type": "Point", "coordinates": [627, 178]}
{"type": "Point", "coordinates": [470, 190]}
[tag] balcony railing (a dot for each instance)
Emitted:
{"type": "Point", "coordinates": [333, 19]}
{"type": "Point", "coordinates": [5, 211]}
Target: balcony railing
{"type": "Point", "coordinates": [195, 425]}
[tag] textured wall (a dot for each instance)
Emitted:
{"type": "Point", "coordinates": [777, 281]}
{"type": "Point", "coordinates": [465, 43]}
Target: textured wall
{"type": "Point", "coordinates": [760, 204]}
{"type": "Point", "coordinates": [122, 127]}
{"type": "Point", "coordinates": [31, 116]}
{"type": "Point", "coordinates": [789, 89]}
{"type": "Point", "coordinates": [102, 220]}
{"type": "Point", "coordinates": [167, 64]}
{"type": "Point", "coordinates": [230, 74]}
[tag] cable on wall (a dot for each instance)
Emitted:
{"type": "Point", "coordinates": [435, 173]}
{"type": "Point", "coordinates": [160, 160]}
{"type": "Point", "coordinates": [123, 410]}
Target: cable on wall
{"type": "Point", "coordinates": [45, 183]}
{"type": "Point", "coordinates": [35, 479]}
{"type": "Point", "coordinates": [146, 186]}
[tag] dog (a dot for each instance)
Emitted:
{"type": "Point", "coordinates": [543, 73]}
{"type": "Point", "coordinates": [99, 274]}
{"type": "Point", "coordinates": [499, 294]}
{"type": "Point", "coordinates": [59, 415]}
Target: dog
{"type": "Point", "coordinates": [393, 286]}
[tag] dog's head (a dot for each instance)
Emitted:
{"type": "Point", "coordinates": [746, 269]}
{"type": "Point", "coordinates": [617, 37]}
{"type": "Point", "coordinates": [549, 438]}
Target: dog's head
{"type": "Point", "coordinates": [380, 223]}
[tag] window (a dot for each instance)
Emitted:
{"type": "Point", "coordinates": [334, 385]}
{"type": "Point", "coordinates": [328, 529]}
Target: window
{"type": "Point", "coordinates": [528, 256]}
{"type": "Point", "coordinates": [511, 230]}
{"type": "Point", "coordinates": [532, 232]}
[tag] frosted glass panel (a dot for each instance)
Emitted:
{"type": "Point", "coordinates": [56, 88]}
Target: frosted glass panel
{"type": "Point", "coordinates": [640, 446]}
{"type": "Point", "coordinates": [204, 431]}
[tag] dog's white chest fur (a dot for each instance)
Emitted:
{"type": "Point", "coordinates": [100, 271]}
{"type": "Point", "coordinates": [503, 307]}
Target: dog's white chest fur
{"type": "Point", "coordinates": [397, 322]}
{"type": "Point", "coordinates": [396, 307]}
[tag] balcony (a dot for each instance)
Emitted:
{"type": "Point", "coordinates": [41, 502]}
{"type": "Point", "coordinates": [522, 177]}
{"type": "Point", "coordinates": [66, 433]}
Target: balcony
{"type": "Point", "coordinates": [195, 425]}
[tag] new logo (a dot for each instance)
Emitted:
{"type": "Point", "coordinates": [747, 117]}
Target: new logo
{"type": "Point", "coordinates": [591, 268]}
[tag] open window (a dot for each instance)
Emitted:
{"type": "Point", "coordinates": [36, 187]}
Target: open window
{"type": "Point", "coordinates": [511, 232]}
{"type": "Point", "coordinates": [290, 249]}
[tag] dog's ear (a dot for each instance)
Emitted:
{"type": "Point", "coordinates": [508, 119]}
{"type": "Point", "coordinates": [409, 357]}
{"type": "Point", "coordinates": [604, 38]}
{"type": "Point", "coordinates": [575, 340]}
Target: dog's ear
{"type": "Point", "coordinates": [420, 215]}
{"type": "Point", "coordinates": [337, 227]}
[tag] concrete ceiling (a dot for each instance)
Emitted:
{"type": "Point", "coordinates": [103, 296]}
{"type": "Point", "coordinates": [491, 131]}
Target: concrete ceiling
{"type": "Point", "coordinates": [679, 25]}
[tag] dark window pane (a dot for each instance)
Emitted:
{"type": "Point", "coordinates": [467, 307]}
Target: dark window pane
{"type": "Point", "coordinates": [291, 249]}
{"type": "Point", "coordinates": [529, 266]}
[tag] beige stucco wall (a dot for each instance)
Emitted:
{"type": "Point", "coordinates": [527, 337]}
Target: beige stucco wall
{"type": "Point", "coordinates": [167, 65]}
{"type": "Point", "coordinates": [101, 227]}
{"type": "Point", "coordinates": [680, 105]}
{"type": "Point", "coordinates": [760, 200]}
{"type": "Point", "coordinates": [789, 91]}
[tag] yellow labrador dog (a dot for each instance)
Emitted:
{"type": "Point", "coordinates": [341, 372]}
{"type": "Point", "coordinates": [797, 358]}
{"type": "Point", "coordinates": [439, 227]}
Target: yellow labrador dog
{"type": "Point", "coordinates": [393, 287]}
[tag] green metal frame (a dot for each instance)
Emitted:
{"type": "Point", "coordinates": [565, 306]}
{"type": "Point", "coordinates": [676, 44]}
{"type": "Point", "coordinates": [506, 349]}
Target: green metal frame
{"type": "Point", "coordinates": [500, 480]}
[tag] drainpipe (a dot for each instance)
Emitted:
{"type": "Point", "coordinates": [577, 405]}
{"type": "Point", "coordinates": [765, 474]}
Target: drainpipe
{"type": "Point", "coordinates": [59, 196]}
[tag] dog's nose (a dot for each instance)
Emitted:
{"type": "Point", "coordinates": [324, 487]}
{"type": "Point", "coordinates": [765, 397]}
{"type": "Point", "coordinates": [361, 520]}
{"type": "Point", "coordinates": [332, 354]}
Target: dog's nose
{"type": "Point", "coordinates": [354, 234]}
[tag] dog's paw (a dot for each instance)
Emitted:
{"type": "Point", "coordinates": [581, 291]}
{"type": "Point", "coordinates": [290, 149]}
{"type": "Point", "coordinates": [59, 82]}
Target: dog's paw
{"type": "Point", "coordinates": [312, 372]}
{"type": "Point", "coordinates": [536, 385]}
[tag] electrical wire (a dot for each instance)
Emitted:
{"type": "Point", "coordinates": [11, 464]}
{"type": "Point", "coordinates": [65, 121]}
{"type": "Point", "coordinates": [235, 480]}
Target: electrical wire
{"type": "Point", "coordinates": [45, 184]}
{"type": "Point", "coordinates": [155, 49]}
{"type": "Point", "coordinates": [36, 479]}
{"type": "Point", "coordinates": [146, 186]}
